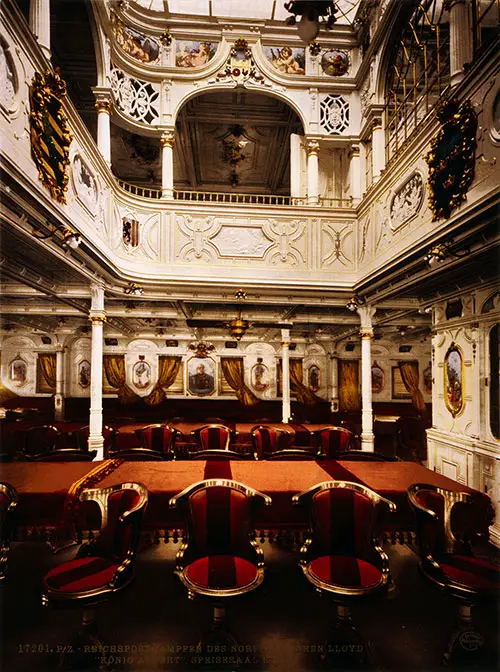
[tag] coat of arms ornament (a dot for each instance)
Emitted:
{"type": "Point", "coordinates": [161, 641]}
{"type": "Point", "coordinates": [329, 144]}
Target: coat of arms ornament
{"type": "Point", "coordinates": [452, 158]}
{"type": "Point", "coordinates": [50, 134]}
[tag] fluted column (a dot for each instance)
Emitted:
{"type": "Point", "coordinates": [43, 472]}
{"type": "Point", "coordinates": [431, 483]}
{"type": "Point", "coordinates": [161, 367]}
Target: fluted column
{"type": "Point", "coordinates": [103, 108]}
{"type": "Point", "coordinates": [59, 396]}
{"type": "Point", "coordinates": [97, 316]}
{"type": "Point", "coordinates": [285, 374]}
{"type": "Point", "coordinates": [460, 38]}
{"type": "Point", "coordinates": [312, 149]}
{"type": "Point", "coordinates": [355, 173]}
{"type": "Point", "coordinates": [40, 24]}
{"type": "Point", "coordinates": [378, 149]}
{"type": "Point", "coordinates": [367, 437]}
{"type": "Point", "coordinates": [167, 142]}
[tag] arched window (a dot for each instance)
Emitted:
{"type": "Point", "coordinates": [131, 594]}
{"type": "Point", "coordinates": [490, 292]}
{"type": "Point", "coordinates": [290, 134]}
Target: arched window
{"type": "Point", "coordinates": [419, 72]}
{"type": "Point", "coordinates": [495, 381]}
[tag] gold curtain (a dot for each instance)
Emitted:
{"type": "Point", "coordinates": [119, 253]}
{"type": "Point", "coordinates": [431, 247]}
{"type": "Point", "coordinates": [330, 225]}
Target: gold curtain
{"type": "Point", "coordinates": [232, 369]}
{"type": "Point", "coordinates": [168, 368]}
{"type": "Point", "coordinates": [114, 369]}
{"type": "Point", "coordinates": [5, 393]}
{"type": "Point", "coordinates": [349, 385]}
{"type": "Point", "coordinates": [48, 368]}
{"type": "Point", "coordinates": [409, 374]}
{"type": "Point", "coordinates": [297, 387]}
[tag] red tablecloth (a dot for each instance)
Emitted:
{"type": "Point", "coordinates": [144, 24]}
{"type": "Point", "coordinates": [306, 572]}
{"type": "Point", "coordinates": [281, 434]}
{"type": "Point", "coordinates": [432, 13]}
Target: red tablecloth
{"type": "Point", "coordinates": [42, 487]}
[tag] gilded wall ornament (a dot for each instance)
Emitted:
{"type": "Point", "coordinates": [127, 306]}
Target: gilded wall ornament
{"type": "Point", "coordinates": [50, 134]}
{"type": "Point", "coordinates": [451, 159]}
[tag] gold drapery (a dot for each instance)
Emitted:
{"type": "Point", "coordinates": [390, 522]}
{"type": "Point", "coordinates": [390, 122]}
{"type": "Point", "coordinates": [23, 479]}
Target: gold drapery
{"type": "Point", "coordinates": [168, 368]}
{"type": "Point", "coordinates": [349, 385]}
{"type": "Point", "coordinates": [114, 369]}
{"type": "Point", "coordinates": [48, 368]}
{"type": "Point", "coordinates": [409, 374]}
{"type": "Point", "coordinates": [297, 387]}
{"type": "Point", "coordinates": [233, 371]}
{"type": "Point", "coordinates": [5, 393]}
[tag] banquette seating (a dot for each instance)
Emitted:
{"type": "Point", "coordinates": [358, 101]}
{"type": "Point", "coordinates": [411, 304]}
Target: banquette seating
{"type": "Point", "coordinates": [342, 557]}
{"type": "Point", "coordinates": [218, 559]}
{"type": "Point", "coordinates": [447, 529]}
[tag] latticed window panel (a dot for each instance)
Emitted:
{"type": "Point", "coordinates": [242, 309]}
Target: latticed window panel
{"type": "Point", "coordinates": [419, 73]}
{"type": "Point", "coordinates": [136, 99]}
{"type": "Point", "coordinates": [334, 114]}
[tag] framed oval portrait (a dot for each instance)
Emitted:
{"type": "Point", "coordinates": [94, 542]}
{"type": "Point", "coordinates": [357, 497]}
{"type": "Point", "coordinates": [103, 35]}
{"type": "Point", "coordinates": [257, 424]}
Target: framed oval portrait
{"type": "Point", "coordinates": [141, 374]}
{"type": "Point", "coordinates": [454, 380]}
{"type": "Point", "coordinates": [259, 376]}
{"type": "Point", "coordinates": [84, 373]}
{"type": "Point", "coordinates": [314, 378]}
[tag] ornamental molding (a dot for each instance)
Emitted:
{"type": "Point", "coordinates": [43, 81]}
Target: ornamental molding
{"type": "Point", "coordinates": [137, 99]}
{"type": "Point", "coordinates": [406, 201]}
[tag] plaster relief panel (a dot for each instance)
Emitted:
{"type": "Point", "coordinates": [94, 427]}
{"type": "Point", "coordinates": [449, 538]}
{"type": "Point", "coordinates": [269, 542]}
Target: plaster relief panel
{"type": "Point", "coordinates": [241, 241]}
{"type": "Point", "coordinates": [407, 201]}
{"type": "Point", "coordinates": [337, 245]}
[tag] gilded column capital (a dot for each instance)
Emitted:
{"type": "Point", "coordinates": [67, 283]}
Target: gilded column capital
{"type": "Point", "coordinates": [365, 333]}
{"type": "Point", "coordinates": [103, 106]}
{"type": "Point", "coordinates": [167, 140]}
{"type": "Point", "coordinates": [312, 147]}
{"type": "Point", "coordinates": [97, 316]}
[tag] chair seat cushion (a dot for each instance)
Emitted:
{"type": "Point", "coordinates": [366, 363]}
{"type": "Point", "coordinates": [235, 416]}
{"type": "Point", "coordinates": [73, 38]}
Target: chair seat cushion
{"type": "Point", "coordinates": [81, 575]}
{"type": "Point", "coordinates": [344, 570]}
{"type": "Point", "coordinates": [221, 571]}
{"type": "Point", "coordinates": [470, 571]}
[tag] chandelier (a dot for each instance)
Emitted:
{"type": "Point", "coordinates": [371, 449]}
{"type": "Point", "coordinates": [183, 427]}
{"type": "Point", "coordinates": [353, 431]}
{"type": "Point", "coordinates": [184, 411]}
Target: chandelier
{"type": "Point", "coordinates": [310, 12]}
{"type": "Point", "coordinates": [238, 326]}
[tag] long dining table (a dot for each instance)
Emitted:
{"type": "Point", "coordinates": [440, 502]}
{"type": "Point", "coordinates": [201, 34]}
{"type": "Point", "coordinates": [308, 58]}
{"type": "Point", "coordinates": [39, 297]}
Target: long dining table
{"type": "Point", "coordinates": [48, 491]}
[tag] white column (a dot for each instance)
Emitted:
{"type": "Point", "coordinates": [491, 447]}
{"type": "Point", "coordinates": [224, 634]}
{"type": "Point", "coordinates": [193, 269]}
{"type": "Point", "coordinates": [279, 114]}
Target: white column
{"type": "Point", "coordinates": [167, 164]}
{"type": "Point", "coordinates": [334, 404]}
{"type": "Point", "coordinates": [40, 23]}
{"type": "Point", "coordinates": [367, 437]}
{"type": "Point", "coordinates": [378, 149]}
{"type": "Point", "coordinates": [460, 39]}
{"type": "Point", "coordinates": [355, 173]}
{"type": "Point", "coordinates": [312, 149]}
{"type": "Point", "coordinates": [285, 374]}
{"type": "Point", "coordinates": [103, 108]}
{"type": "Point", "coordinates": [295, 165]}
{"type": "Point", "coordinates": [97, 316]}
{"type": "Point", "coordinates": [59, 396]}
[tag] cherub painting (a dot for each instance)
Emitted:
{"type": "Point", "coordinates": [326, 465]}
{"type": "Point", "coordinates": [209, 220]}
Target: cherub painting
{"type": "Point", "coordinates": [194, 54]}
{"type": "Point", "coordinates": [288, 60]}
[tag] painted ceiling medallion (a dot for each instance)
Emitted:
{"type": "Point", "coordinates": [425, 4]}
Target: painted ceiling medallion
{"type": "Point", "coordinates": [50, 134]}
{"type": "Point", "coordinates": [452, 157]}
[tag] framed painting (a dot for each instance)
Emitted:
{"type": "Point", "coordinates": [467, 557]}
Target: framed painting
{"type": "Point", "coordinates": [201, 376]}
{"type": "Point", "coordinates": [194, 54]}
{"type": "Point", "coordinates": [18, 372]}
{"type": "Point", "coordinates": [378, 378]}
{"type": "Point", "coordinates": [314, 378]}
{"type": "Point", "coordinates": [454, 380]}
{"type": "Point", "coordinates": [84, 374]}
{"type": "Point", "coordinates": [289, 60]}
{"type": "Point", "coordinates": [141, 374]}
{"type": "Point", "coordinates": [399, 390]}
{"type": "Point", "coordinates": [259, 376]}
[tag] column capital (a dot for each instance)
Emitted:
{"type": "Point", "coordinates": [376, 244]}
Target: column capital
{"type": "Point", "coordinates": [366, 333]}
{"type": "Point", "coordinates": [355, 149]}
{"type": "Point", "coordinates": [167, 139]}
{"type": "Point", "coordinates": [285, 337]}
{"type": "Point", "coordinates": [103, 98]}
{"type": "Point", "coordinates": [366, 313]}
{"type": "Point", "coordinates": [312, 147]}
{"type": "Point", "coordinates": [97, 316]}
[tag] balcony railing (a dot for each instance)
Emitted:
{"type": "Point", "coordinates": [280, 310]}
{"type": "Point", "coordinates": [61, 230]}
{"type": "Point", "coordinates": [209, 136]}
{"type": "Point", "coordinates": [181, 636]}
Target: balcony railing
{"type": "Point", "coordinates": [231, 197]}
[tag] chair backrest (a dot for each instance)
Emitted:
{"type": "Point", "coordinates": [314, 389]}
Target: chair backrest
{"type": "Point", "coordinates": [343, 519]}
{"type": "Point", "coordinates": [160, 438]}
{"type": "Point", "coordinates": [40, 439]}
{"type": "Point", "coordinates": [122, 509]}
{"type": "Point", "coordinates": [213, 437]}
{"type": "Point", "coordinates": [268, 440]}
{"type": "Point", "coordinates": [217, 455]}
{"type": "Point", "coordinates": [447, 521]}
{"type": "Point", "coordinates": [218, 515]}
{"type": "Point", "coordinates": [333, 440]}
{"type": "Point", "coordinates": [108, 434]}
{"type": "Point", "coordinates": [66, 455]}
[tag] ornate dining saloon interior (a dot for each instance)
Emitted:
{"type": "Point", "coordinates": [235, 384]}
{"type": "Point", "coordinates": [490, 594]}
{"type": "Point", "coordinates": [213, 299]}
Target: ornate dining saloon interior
{"type": "Point", "coordinates": [215, 215]}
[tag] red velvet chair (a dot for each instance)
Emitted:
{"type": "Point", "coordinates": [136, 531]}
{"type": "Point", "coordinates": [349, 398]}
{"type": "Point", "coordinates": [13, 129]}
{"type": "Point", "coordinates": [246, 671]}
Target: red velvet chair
{"type": "Point", "coordinates": [214, 441]}
{"type": "Point", "coordinates": [219, 558]}
{"type": "Point", "coordinates": [39, 440]}
{"type": "Point", "coordinates": [268, 441]}
{"type": "Point", "coordinates": [332, 440]}
{"type": "Point", "coordinates": [159, 438]}
{"type": "Point", "coordinates": [102, 567]}
{"type": "Point", "coordinates": [342, 557]}
{"type": "Point", "coordinates": [448, 525]}
{"type": "Point", "coordinates": [8, 503]}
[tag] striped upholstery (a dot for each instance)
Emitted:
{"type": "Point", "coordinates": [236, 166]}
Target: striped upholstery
{"type": "Point", "coordinates": [265, 441]}
{"type": "Point", "coordinates": [115, 538]}
{"type": "Point", "coordinates": [159, 438]}
{"type": "Point", "coordinates": [214, 437]}
{"type": "Point", "coordinates": [334, 440]}
{"type": "Point", "coordinates": [221, 571]}
{"type": "Point", "coordinates": [81, 575]}
{"type": "Point", "coordinates": [346, 571]}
